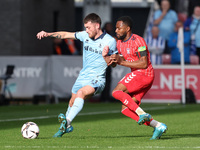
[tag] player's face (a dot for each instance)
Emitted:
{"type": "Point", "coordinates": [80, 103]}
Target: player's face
{"type": "Point", "coordinates": [91, 29]}
{"type": "Point", "coordinates": [121, 30]}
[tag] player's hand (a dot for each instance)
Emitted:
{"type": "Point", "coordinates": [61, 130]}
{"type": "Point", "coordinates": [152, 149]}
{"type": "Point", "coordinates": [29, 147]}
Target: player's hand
{"type": "Point", "coordinates": [111, 63]}
{"type": "Point", "coordinates": [105, 50]}
{"type": "Point", "coordinates": [116, 58]}
{"type": "Point", "coordinates": [42, 34]}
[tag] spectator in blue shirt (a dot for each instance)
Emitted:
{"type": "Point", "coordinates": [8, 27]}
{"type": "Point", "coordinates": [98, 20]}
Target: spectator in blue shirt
{"type": "Point", "coordinates": [193, 25]}
{"type": "Point", "coordinates": [165, 19]}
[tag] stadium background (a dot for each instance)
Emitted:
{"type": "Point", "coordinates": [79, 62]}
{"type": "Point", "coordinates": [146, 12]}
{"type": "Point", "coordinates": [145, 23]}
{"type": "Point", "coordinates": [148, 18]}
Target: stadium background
{"type": "Point", "coordinates": [21, 20]}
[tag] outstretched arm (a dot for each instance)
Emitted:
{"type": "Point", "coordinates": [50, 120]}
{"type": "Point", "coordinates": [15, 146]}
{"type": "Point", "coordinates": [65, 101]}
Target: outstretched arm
{"type": "Point", "coordinates": [59, 35]}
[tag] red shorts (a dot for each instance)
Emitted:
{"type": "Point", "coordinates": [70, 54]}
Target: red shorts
{"type": "Point", "coordinates": [137, 84]}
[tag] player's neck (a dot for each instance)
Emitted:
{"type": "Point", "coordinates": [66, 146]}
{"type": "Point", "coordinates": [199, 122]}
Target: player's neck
{"type": "Point", "coordinates": [128, 35]}
{"type": "Point", "coordinates": [99, 33]}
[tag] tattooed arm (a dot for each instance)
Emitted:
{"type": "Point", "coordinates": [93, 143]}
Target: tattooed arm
{"type": "Point", "coordinates": [59, 35]}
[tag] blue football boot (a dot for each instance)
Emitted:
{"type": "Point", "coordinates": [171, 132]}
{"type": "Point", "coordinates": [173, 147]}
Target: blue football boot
{"type": "Point", "coordinates": [69, 129]}
{"type": "Point", "coordinates": [143, 118]}
{"type": "Point", "coordinates": [63, 129]}
{"type": "Point", "coordinates": [62, 120]}
{"type": "Point", "coordinates": [158, 131]}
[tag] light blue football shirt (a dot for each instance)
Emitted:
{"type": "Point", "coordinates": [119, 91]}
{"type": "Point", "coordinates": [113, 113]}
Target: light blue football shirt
{"type": "Point", "coordinates": [94, 66]}
{"type": "Point", "coordinates": [93, 61]}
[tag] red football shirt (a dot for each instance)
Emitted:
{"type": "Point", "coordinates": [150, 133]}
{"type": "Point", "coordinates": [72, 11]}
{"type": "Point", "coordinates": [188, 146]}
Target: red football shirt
{"type": "Point", "coordinates": [130, 50]}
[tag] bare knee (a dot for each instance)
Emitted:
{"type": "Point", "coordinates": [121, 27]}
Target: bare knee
{"type": "Point", "coordinates": [123, 107]}
{"type": "Point", "coordinates": [135, 100]}
{"type": "Point", "coordinates": [113, 92]}
{"type": "Point", "coordinates": [80, 94]}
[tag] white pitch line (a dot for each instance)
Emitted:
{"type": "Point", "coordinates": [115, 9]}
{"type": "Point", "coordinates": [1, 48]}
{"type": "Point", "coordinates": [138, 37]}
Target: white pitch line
{"type": "Point", "coordinates": [86, 114]}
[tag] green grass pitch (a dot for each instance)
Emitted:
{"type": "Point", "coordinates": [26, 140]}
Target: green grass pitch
{"type": "Point", "coordinates": [101, 126]}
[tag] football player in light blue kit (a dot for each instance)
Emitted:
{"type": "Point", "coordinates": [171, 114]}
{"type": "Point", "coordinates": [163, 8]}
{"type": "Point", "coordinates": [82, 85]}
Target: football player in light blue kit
{"type": "Point", "coordinates": [91, 79]}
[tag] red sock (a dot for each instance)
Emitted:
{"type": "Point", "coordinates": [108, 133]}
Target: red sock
{"type": "Point", "coordinates": [147, 123]}
{"type": "Point", "coordinates": [127, 112]}
{"type": "Point", "coordinates": [125, 99]}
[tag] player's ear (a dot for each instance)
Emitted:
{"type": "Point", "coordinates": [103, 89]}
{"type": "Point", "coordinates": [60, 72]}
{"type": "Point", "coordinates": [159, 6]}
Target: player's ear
{"type": "Point", "coordinates": [98, 26]}
{"type": "Point", "coordinates": [128, 28]}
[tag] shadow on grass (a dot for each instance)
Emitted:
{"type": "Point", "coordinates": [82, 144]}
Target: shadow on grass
{"type": "Point", "coordinates": [180, 136]}
{"type": "Point", "coordinates": [163, 137]}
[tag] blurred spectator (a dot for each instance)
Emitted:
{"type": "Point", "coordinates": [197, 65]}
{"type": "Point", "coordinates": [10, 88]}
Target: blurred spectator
{"type": "Point", "coordinates": [108, 27]}
{"type": "Point", "coordinates": [172, 2]}
{"type": "Point", "coordinates": [165, 18]}
{"type": "Point", "coordinates": [156, 46]}
{"type": "Point", "coordinates": [66, 47]}
{"type": "Point", "coordinates": [193, 24]}
{"type": "Point", "coordinates": [172, 44]}
{"type": "Point", "coordinates": [191, 5]}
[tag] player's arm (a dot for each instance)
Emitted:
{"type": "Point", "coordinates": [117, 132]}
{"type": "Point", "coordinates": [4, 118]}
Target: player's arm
{"type": "Point", "coordinates": [139, 64]}
{"type": "Point", "coordinates": [158, 20]}
{"type": "Point", "coordinates": [59, 35]}
{"type": "Point", "coordinates": [142, 63]}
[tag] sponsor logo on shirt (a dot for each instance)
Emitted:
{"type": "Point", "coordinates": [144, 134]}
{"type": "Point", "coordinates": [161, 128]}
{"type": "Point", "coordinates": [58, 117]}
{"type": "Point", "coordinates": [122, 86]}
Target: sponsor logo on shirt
{"type": "Point", "coordinates": [88, 48]}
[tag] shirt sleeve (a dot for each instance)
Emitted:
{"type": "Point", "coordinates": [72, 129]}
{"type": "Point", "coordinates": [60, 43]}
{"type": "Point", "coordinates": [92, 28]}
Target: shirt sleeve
{"type": "Point", "coordinates": [175, 17]}
{"type": "Point", "coordinates": [112, 47]}
{"type": "Point", "coordinates": [157, 14]}
{"type": "Point", "coordinates": [80, 35]}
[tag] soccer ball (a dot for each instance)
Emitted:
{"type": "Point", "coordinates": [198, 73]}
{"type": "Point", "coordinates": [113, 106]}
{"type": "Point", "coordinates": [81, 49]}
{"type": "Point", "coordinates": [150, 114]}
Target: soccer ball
{"type": "Point", "coordinates": [30, 130]}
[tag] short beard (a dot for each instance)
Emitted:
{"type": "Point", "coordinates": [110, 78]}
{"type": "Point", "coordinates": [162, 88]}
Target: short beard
{"type": "Point", "coordinates": [121, 37]}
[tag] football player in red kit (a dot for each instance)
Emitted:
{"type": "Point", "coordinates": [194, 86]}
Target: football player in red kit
{"type": "Point", "coordinates": [133, 53]}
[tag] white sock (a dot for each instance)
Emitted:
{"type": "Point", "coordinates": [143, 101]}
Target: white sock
{"type": "Point", "coordinates": [75, 109]}
{"type": "Point", "coordinates": [68, 110]}
{"type": "Point", "coordinates": [139, 111]}
{"type": "Point", "coordinates": [154, 123]}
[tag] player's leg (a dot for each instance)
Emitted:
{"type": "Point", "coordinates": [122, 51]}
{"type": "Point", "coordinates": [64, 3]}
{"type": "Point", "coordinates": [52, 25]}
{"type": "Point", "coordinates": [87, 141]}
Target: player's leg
{"type": "Point", "coordinates": [120, 93]}
{"type": "Point", "coordinates": [63, 122]}
{"type": "Point", "coordinates": [64, 128]}
{"type": "Point", "coordinates": [138, 89]}
{"type": "Point", "coordinates": [131, 114]}
{"type": "Point", "coordinates": [136, 85]}
{"type": "Point", "coordinates": [159, 128]}
{"type": "Point", "coordinates": [82, 94]}
{"type": "Point", "coordinates": [71, 102]}
{"type": "Point", "coordinates": [75, 106]}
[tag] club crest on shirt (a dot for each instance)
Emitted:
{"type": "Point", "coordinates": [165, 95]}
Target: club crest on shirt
{"type": "Point", "coordinates": [86, 40]}
{"type": "Point", "coordinates": [133, 38]}
{"type": "Point", "coordinates": [128, 50]}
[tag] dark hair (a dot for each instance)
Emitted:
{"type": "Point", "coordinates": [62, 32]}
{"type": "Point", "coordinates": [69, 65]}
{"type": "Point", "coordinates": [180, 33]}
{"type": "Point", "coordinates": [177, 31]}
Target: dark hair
{"type": "Point", "coordinates": [94, 18]}
{"type": "Point", "coordinates": [126, 20]}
